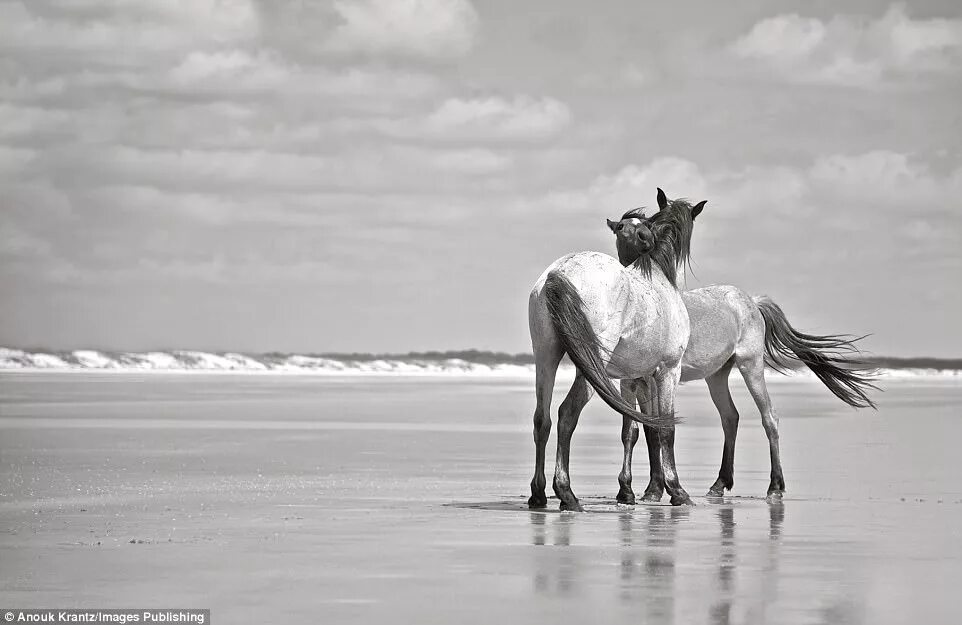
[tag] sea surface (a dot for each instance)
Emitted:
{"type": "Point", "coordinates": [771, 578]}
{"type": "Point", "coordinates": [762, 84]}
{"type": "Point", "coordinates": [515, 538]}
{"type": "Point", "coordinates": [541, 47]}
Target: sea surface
{"type": "Point", "coordinates": [401, 499]}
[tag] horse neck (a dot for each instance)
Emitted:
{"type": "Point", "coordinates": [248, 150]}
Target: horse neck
{"type": "Point", "coordinates": [656, 275]}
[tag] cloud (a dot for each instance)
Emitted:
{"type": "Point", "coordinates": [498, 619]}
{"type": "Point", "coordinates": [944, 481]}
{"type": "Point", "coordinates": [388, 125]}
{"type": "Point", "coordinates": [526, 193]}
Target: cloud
{"type": "Point", "coordinates": [633, 186]}
{"type": "Point", "coordinates": [522, 117]}
{"type": "Point", "coordinates": [632, 183]}
{"type": "Point", "coordinates": [888, 194]}
{"type": "Point", "coordinates": [17, 242]}
{"type": "Point", "coordinates": [483, 120]}
{"type": "Point", "coordinates": [782, 39]}
{"type": "Point", "coordinates": [883, 176]}
{"type": "Point", "coordinates": [210, 270]}
{"type": "Point", "coordinates": [423, 28]}
{"type": "Point", "coordinates": [239, 72]}
{"type": "Point", "coordinates": [137, 27]}
{"type": "Point", "coordinates": [364, 168]}
{"type": "Point", "coordinates": [852, 51]}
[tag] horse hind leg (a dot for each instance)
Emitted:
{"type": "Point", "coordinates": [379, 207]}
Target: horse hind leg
{"type": "Point", "coordinates": [629, 437]}
{"type": "Point", "coordinates": [667, 382]}
{"type": "Point", "coordinates": [722, 398]}
{"type": "Point", "coordinates": [568, 415]}
{"type": "Point", "coordinates": [547, 359]}
{"type": "Point", "coordinates": [753, 371]}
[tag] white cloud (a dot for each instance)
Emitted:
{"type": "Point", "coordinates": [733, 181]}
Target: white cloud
{"type": "Point", "coordinates": [885, 178]}
{"type": "Point", "coordinates": [522, 117]}
{"type": "Point", "coordinates": [17, 242]}
{"type": "Point", "coordinates": [853, 51]}
{"type": "Point", "coordinates": [394, 168]}
{"type": "Point", "coordinates": [912, 40]}
{"type": "Point", "coordinates": [425, 28]}
{"type": "Point", "coordinates": [243, 72]}
{"type": "Point", "coordinates": [198, 68]}
{"type": "Point", "coordinates": [633, 186]}
{"type": "Point", "coordinates": [485, 120]}
{"type": "Point", "coordinates": [878, 189]}
{"type": "Point", "coordinates": [17, 122]}
{"type": "Point", "coordinates": [131, 27]}
{"type": "Point", "coordinates": [211, 269]}
{"type": "Point", "coordinates": [668, 173]}
{"type": "Point", "coordinates": [470, 162]}
{"type": "Point", "coordinates": [785, 38]}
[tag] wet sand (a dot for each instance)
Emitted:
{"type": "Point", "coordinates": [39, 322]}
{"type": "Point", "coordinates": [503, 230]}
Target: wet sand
{"type": "Point", "coordinates": [299, 499]}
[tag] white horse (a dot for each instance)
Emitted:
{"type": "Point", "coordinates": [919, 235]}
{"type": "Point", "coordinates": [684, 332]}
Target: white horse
{"type": "Point", "coordinates": [730, 328]}
{"type": "Point", "coordinates": [627, 323]}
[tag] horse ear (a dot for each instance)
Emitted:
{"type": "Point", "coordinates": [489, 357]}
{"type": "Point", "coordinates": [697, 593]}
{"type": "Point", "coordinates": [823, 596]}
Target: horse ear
{"type": "Point", "coordinates": [612, 225]}
{"type": "Point", "coordinates": [662, 200]}
{"type": "Point", "coordinates": [697, 209]}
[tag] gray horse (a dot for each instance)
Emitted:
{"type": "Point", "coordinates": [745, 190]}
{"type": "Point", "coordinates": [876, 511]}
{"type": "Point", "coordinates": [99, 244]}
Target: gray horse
{"type": "Point", "coordinates": [626, 323]}
{"type": "Point", "coordinates": [729, 328]}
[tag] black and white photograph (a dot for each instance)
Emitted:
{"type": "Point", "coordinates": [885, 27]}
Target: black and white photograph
{"type": "Point", "coordinates": [365, 312]}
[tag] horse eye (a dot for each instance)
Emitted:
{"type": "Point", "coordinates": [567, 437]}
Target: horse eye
{"type": "Point", "coordinates": [619, 227]}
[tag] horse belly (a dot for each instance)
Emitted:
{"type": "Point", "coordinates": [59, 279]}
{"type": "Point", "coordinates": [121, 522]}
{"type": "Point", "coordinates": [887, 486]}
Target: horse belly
{"type": "Point", "coordinates": [714, 334]}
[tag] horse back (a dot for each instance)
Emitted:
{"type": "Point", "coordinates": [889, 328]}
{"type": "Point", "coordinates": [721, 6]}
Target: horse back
{"type": "Point", "coordinates": [724, 320]}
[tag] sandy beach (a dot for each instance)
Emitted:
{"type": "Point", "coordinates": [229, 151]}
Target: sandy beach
{"type": "Point", "coordinates": [305, 499]}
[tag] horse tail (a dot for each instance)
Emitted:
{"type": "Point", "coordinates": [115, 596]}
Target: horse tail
{"type": "Point", "coordinates": [583, 347]}
{"type": "Point", "coordinates": [848, 378]}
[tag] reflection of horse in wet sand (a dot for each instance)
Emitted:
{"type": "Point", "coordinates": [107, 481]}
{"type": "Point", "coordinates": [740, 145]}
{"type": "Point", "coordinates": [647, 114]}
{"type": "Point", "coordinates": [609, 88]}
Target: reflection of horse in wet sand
{"type": "Point", "coordinates": [730, 328]}
{"type": "Point", "coordinates": [648, 560]}
{"type": "Point", "coordinates": [626, 323]}
{"type": "Point", "coordinates": [650, 542]}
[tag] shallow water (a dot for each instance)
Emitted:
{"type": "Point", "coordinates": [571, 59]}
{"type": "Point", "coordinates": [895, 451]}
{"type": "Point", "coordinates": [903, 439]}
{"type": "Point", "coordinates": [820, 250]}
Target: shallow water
{"type": "Point", "coordinates": [310, 499]}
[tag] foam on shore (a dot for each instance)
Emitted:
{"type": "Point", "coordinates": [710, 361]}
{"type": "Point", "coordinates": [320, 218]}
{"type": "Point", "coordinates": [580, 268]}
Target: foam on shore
{"type": "Point", "coordinates": [232, 362]}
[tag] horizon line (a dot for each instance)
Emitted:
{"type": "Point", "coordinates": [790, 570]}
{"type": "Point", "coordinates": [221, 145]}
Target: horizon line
{"type": "Point", "coordinates": [475, 354]}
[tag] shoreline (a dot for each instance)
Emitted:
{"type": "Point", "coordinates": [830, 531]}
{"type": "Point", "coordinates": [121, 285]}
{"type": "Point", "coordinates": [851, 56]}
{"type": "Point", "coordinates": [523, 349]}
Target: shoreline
{"type": "Point", "coordinates": [482, 371]}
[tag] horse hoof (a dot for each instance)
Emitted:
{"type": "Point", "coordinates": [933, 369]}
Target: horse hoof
{"type": "Point", "coordinates": [775, 496]}
{"type": "Point", "coordinates": [626, 498]}
{"type": "Point", "coordinates": [537, 502]}
{"type": "Point", "coordinates": [682, 500]}
{"type": "Point", "coordinates": [572, 507]}
{"type": "Point", "coordinates": [651, 497]}
{"type": "Point", "coordinates": [719, 487]}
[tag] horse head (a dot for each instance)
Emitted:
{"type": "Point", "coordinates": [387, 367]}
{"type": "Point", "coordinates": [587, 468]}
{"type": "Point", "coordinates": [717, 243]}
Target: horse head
{"type": "Point", "coordinates": [663, 237]}
{"type": "Point", "coordinates": [633, 236]}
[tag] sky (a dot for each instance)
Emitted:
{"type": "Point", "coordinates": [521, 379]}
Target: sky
{"type": "Point", "coordinates": [394, 175]}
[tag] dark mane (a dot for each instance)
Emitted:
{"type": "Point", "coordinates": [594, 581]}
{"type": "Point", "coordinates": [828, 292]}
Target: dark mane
{"type": "Point", "coordinates": [672, 230]}
{"type": "Point", "coordinates": [638, 213]}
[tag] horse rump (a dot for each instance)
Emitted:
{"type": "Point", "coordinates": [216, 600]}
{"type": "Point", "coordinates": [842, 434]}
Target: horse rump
{"type": "Point", "coordinates": [585, 350]}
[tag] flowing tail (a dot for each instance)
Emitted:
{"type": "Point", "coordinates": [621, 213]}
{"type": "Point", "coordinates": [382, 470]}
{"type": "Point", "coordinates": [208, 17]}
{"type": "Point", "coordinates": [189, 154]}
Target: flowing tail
{"type": "Point", "coordinates": [583, 347]}
{"type": "Point", "coordinates": [827, 356]}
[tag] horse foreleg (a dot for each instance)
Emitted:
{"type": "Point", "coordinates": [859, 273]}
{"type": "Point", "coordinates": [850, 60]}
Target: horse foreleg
{"type": "Point", "coordinates": [629, 436]}
{"type": "Point", "coordinates": [665, 384]}
{"type": "Point", "coordinates": [645, 392]}
{"type": "Point", "coordinates": [721, 396]}
{"type": "Point", "coordinates": [568, 415]}
{"type": "Point", "coordinates": [754, 373]}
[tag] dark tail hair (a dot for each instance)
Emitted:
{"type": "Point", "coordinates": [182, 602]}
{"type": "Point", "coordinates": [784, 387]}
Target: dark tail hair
{"type": "Point", "coordinates": [583, 347]}
{"type": "Point", "coordinates": [829, 357]}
